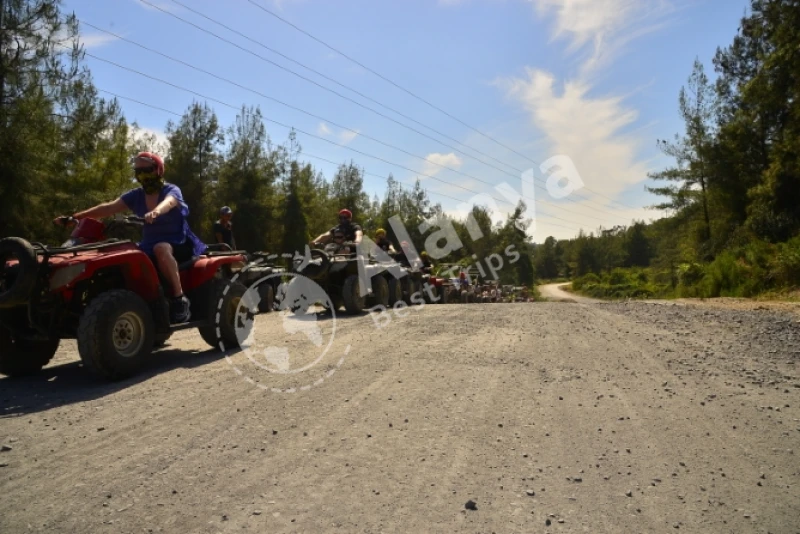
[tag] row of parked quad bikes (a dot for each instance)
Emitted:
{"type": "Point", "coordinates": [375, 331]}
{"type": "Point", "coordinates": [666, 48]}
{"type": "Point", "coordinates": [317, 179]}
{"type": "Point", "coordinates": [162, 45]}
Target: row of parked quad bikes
{"type": "Point", "coordinates": [105, 293]}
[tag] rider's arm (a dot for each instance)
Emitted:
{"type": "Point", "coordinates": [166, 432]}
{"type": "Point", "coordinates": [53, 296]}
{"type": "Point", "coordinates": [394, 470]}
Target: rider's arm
{"type": "Point", "coordinates": [105, 209]}
{"type": "Point", "coordinates": [323, 238]}
{"type": "Point", "coordinates": [359, 235]}
{"type": "Point", "coordinates": [167, 204]}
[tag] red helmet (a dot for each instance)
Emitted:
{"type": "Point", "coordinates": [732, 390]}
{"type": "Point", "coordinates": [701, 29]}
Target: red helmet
{"type": "Point", "coordinates": [346, 213]}
{"type": "Point", "coordinates": [151, 158]}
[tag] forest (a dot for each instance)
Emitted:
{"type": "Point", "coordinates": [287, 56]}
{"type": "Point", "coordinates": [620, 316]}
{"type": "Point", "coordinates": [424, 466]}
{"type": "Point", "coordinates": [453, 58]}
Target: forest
{"type": "Point", "coordinates": [730, 206]}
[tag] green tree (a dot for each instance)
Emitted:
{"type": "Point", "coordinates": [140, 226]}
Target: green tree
{"type": "Point", "coordinates": [295, 225]}
{"type": "Point", "coordinates": [347, 190]}
{"type": "Point", "coordinates": [691, 151]}
{"type": "Point", "coordinates": [246, 180]}
{"type": "Point", "coordinates": [637, 246]}
{"type": "Point", "coordinates": [194, 160]}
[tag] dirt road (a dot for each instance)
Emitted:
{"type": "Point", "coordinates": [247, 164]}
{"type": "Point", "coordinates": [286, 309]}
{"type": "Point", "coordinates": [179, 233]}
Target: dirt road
{"type": "Point", "coordinates": [549, 417]}
{"type": "Point", "coordinates": [557, 292]}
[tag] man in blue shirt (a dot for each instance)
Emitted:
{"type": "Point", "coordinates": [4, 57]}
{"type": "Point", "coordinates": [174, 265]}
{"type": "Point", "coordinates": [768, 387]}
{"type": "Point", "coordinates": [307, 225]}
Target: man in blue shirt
{"type": "Point", "coordinates": [166, 236]}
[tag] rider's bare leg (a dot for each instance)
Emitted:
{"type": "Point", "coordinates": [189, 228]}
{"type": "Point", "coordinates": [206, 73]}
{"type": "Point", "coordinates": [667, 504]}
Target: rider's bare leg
{"type": "Point", "coordinates": [168, 267]}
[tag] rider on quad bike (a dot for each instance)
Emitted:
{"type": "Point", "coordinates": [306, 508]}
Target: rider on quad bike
{"type": "Point", "coordinates": [383, 242]}
{"type": "Point", "coordinates": [352, 232]}
{"type": "Point", "coordinates": [166, 236]}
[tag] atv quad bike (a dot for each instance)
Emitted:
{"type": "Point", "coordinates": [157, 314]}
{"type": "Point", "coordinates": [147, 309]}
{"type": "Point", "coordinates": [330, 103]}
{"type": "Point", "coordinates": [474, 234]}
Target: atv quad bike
{"type": "Point", "coordinates": [457, 291]}
{"type": "Point", "coordinates": [108, 295]}
{"type": "Point", "coordinates": [336, 271]}
{"type": "Point", "coordinates": [415, 281]}
{"type": "Point", "coordinates": [267, 275]}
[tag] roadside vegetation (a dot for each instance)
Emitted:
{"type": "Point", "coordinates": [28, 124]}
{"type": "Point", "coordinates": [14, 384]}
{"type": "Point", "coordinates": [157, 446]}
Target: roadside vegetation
{"type": "Point", "coordinates": [732, 197]}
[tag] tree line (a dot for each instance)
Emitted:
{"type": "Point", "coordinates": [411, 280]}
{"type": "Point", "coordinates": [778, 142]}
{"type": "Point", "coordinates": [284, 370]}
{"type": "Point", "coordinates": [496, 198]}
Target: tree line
{"type": "Point", "coordinates": [732, 197]}
{"type": "Point", "coordinates": [64, 148]}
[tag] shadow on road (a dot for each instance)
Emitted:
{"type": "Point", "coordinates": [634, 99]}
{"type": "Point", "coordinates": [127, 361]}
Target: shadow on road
{"type": "Point", "coordinates": [69, 383]}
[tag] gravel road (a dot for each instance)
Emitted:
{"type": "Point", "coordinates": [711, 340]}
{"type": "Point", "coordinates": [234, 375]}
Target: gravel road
{"type": "Point", "coordinates": [557, 292]}
{"type": "Point", "coordinates": [536, 417]}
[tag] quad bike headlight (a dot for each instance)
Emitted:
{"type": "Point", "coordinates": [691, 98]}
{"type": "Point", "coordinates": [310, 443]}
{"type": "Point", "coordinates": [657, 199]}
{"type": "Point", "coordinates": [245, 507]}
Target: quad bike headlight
{"type": "Point", "coordinates": [65, 275]}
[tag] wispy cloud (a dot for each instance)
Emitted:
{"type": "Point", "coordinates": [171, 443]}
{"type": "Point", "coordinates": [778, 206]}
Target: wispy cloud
{"type": "Point", "coordinates": [606, 25]}
{"type": "Point", "coordinates": [435, 162]}
{"type": "Point", "coordinates": [347, 136]}
{"type": "Point", "coordinates": [344, 137]}
{"type": "Point", "coordinates": [96, 40]}
{"type": "Point", "coordinates": [590, 130]}
{"type": "Point", "coordinates": [323, 129]}
{"type": "Point", "coordinates": [593, 130]}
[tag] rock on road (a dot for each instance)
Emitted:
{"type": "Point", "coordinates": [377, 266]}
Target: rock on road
{"type": "Point", "coordinates": [547, 417]}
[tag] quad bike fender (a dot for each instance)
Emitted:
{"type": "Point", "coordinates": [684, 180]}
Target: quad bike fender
{"type": "Point", "coordinates": [137, 271]}
{"type": "Point", "coordinates": [207, 267]}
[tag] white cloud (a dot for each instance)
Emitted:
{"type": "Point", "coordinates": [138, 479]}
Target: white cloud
{"type": "Point", "coordinates": [435, 162]}
{"type": "Point", "coordinates": [96, 40]}
{"type": "Point", "coordinates": [586, 129]}
{"type": "Point", "coordinates": [594, 131]}
{"type": "Point", "coordinates": [608, 25]}
{"type": "Point", "coordinates": [347, 136]}
{"type": "Point", "coordinates": [343, 136]}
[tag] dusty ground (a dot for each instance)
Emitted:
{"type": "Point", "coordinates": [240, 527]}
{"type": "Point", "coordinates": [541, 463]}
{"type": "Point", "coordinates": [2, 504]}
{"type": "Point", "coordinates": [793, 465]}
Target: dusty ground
{"type": "Point", "coordinates": [549, 417]}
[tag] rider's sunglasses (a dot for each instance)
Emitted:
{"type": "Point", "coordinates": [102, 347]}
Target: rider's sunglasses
{"type": "Point", "coordinates": [143, 170]}
{"type": "Point", "coordinates": [338, 237]}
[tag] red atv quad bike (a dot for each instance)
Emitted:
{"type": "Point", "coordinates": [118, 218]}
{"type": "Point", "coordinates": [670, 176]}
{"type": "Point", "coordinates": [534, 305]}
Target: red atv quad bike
{"type": "Point", "coordinates": [439, 289]}
{"type": "Point", "coordinates": [107, 294]}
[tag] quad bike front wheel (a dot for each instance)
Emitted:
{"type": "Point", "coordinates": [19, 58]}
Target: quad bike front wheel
{"type": "Point", "coordinates": [115, 334]}
{"type": "Point", "coordinates": [380, 291]}
{"type": "Point", "coordinates": [23, 357]}
{"type": "Point", "coordinates": [224, 314]}
{"type": "Point", "coordinates": [16, 287]}
{"type": "Point", "coordinates": [351, 295]}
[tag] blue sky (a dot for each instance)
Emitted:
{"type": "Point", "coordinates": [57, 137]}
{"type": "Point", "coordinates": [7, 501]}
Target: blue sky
{"type": "Point", "coordinates": [595, 81]}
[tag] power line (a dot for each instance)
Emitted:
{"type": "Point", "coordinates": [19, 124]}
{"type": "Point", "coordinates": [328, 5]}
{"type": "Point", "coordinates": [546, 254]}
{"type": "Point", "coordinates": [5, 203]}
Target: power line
{"type": "Point", "coordinates": [116, 95]}
{"type": "Point", "coordinates": [437, 108]}
{"type": "Point", "coordinates": [194, 67]}
{"type": "Point", "coordinates": [327, 88]}
{"type": "Point", "coordinates": [218, 23]}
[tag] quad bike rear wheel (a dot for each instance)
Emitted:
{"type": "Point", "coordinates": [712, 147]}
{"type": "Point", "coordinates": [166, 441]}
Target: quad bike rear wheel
{"type": "Point", "coordinates": [23, 357]}
{"type": "Point", "coordinates": [116, 333]}
{"type": "Point", "coordinates": [395, 290]}
{"type": "Point", "coordinates": [224, 314]}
